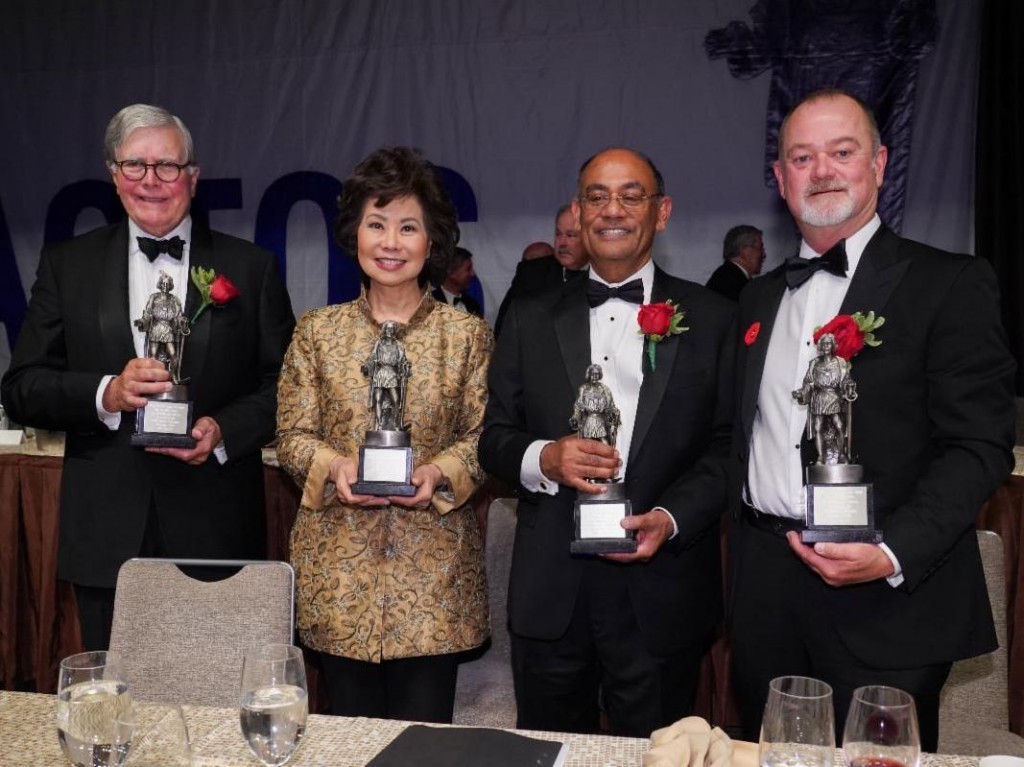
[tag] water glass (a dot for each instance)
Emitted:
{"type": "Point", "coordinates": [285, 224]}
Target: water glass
{"type": "Point", "coordinates": [92, 695]}
{"type": "Point", "coordinates": [881, 729]}
{"type": "Point", "coordinates": [798, 728]}
{"type": "Point", "coordinates": [273, 706]}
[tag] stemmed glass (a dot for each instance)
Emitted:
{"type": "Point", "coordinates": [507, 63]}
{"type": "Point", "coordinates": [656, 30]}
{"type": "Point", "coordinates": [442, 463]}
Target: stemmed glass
{"type": "Point", "coordinates": [881, 729]}
{"type": "Point", "coordinates": [273, 701]}
{"type": "Point", "coordinates": [91, 697]}
{"type": "Point", "coordinates": [798, 726]}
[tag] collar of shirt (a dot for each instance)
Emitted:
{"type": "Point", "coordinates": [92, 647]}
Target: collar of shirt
{"type": "Point", "coordinates": [740, 267]}
{"type": "Point", "coordinates": [143, 274]}
{"type": "Point", "coordinates": [618, 347]}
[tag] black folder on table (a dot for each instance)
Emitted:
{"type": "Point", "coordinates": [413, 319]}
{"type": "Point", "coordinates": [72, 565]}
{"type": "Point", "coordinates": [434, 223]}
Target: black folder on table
{"type": "Point", "coordinates": [422, 746]}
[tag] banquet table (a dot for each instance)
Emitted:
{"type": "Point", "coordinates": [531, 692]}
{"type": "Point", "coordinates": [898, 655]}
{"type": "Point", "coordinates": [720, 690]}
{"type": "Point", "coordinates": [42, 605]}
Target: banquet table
{"type": "Point", "coordinates": [28, 736]}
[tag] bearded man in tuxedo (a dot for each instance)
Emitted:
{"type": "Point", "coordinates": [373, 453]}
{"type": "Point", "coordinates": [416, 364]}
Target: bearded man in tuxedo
{"type": "Point", "coordinates": [80, 366]}
{"type": "Point", "coordinates": [934, 432]}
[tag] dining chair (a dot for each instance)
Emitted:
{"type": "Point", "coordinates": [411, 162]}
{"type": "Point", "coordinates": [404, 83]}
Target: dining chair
{"type": "Point", "coordinates": [182, 640]}
{"type": "Point", "coordinates": [973, 707]}
{"type": "Point", "coordinates": [484, 695]}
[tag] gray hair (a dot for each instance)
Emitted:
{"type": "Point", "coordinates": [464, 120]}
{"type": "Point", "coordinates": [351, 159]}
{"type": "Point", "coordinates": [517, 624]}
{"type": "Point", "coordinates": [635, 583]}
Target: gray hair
{"type": "Point", "coordinates": [833, 93]}
{"type": "Point", "coordinates": [742, 236]}
{"type": "Point", "coordinates": [137, 116]}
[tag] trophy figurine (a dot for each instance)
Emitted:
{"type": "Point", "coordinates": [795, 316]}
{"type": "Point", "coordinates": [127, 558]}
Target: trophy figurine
{"type": "Point", "coordinates": [385, 458]}
{"type": "Point", "coordinates": [839, 505]}
{"type": "Point", "coordinates": [597, 516]}
{"type": "Point", "coordinates": [166, 421]}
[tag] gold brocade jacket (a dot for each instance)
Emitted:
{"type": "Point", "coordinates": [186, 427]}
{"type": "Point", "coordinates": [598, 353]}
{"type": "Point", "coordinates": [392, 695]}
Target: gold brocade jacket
{"type": "Point", "coordinates": [391, 582]}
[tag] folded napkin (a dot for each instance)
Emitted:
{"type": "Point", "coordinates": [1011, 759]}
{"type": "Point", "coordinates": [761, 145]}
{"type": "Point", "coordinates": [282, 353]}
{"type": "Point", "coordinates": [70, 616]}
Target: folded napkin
{"type": "Point", "coordinates": [691, 742]}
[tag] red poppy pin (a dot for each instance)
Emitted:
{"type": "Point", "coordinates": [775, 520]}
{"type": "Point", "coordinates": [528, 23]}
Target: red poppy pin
{"type": "Point", "coordinates": [751, 335]}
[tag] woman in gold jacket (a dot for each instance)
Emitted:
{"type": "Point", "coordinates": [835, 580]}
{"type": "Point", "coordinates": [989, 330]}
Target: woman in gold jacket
{"type": "Point", "coordinates": [390, 589]}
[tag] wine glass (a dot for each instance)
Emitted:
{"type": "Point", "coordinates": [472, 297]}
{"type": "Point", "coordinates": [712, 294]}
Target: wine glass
{"type": "Point", "coordinates": [273, 701]}
{"type": "Point", "coordinates": [91, 696]}
{"type": "Point", "coordinates": [881, 729]}
{"type": "Point", "coordinates": [798, 728]}
{"type": "Point", "coordinates": [160, 736]}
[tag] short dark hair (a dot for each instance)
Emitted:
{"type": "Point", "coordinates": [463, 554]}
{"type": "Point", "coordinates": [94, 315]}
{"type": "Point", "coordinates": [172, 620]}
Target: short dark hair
{"type": "Point", "coordinates": [742, 236]}
{"type": "Point", "coordinates": [387, 174]}
{"type": "Point", "coordinates": [659, 180]}
{"type": "Point", "coordinates": [832, 93]}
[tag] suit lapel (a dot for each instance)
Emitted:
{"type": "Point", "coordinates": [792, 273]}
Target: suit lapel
{"type": "Point", "coordinates": [879, 272]}
{"type": "Point", "coordinates": [201, 253]}
{"type": "Point", "coordinates": [655, 382]}
{"type": "Point", "coordinates": [763, 309]}
{"type": "Point", "coordinates": [114, 323]}
{"type": "Point", "coordinates": [572, 329]}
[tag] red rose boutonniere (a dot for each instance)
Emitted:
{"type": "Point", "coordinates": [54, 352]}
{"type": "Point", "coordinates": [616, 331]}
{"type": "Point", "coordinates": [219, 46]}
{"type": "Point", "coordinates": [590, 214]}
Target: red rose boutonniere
{"type": "Point", "coordinates": [852, 332]}
{"type": "Point", "coordinates": [215, 289]}
{"type": "Point", "coordinates": [752, 333]}
{"type": "Point", "coordinates": [658, 321]}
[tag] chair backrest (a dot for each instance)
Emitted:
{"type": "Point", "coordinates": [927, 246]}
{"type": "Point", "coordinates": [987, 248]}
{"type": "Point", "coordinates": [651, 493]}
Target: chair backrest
{"type": "Point", "coordinates": [182, 640]}
{"type": "Point", "coordinates": [975, 694]}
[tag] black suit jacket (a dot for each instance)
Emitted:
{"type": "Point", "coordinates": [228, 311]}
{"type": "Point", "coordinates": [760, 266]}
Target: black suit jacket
{"type": "Point", "coordinates": [77, 330]}
{"type": "Point", "coordinates": [728, 280]}
{"type": "Point", "coordinates": [677, 459]}
{"type": "Point", "coordinates": [535, 276]}
{"type": "Point", "coordinates": [471, 303]}
{"type": "Point", "coordinates": [933, 427]}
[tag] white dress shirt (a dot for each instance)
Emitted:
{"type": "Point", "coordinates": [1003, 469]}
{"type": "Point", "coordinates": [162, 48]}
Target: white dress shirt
{"type": "Point", "coordinates": [775, 474]}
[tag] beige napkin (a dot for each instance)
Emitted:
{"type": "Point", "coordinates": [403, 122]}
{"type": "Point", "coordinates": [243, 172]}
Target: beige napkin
{"type": "Point", "coordinates": [691, 742]}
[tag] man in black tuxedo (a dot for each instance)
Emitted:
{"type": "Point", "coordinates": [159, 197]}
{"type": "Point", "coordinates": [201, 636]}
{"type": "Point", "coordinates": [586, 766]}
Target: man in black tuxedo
{"type": "Point", "coordinates": [933, 430]}
{"type": "Point", "coordinates": [742, 258]}
{"type": "Point", "coordinates": [632, 625]}
{"type": "Point", "coordinates": [539, 274]}
{"type": "Point", "coordinates": [79, 366]}
{"type": "Point", "coordinates": [453, 289]}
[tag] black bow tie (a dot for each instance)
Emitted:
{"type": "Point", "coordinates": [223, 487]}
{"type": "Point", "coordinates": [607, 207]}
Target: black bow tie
{"type": "Point", "coordinates": [173, 247]}
{"type": "Point", "coordinates": [799, 270]}
{"type": "Point", "coordinates": [598, 292]}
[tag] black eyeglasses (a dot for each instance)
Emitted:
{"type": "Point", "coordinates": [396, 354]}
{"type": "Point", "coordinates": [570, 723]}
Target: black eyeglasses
{"type": "Point", "coordinates": [135, 170]}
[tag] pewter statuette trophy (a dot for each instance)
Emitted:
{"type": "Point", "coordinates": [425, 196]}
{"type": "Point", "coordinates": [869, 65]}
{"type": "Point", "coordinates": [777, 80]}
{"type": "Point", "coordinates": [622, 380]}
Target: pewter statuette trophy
{"type": "Point", "coordinates": [166, 421]}
{"type": "Point", "coordinates": [839, 505]}
{"type": "Point", "coordinates": [597, 516]}
{"type": "Point", "coordinates": [385, 458]}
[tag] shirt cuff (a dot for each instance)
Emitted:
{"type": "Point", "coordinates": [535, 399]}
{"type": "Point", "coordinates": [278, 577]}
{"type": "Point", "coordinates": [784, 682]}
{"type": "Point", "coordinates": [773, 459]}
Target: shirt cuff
{"type": "Point", "coordinates": [318, 490]}
{"type": "Point", "coordinates": [897, 577]}
{"type": "Point", "coordinates": [111, 420]}
{"type": "Point", "coordinates": [675, 527]}
{"type": "Point", "coordinates": [221, 454]}
{"type": "Point", "coordinates": [530, 475]}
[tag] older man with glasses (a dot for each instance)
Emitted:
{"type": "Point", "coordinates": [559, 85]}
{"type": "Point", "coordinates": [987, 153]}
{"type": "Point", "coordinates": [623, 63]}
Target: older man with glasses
{"type": "Point", "coordinates": [80, 365]}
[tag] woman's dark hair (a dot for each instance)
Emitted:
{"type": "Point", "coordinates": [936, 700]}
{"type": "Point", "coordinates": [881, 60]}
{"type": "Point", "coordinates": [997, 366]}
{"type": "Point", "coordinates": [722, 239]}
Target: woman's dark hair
{"type": "Point", "coordinates": [389, 173]}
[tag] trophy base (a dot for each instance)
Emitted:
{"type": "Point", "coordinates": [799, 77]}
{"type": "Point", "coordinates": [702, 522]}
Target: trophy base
{"type": "Point", "coordinates": [385, 465]}
{"type": "Point", "coordinates": [597, 517]}
{"type": "Point", "coordinates": [166, 421]}
{"type": "Point", "coordinates": [833, 474]}
{"type": "Point", "coordinates": [840, 512]}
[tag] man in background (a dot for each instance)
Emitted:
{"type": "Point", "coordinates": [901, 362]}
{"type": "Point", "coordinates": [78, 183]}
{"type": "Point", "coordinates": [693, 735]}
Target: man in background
{"type": "Point", "coordinates": [80, 366]}
{"type": "Point", "coordinates": [453, 290]}
{"type": "Point", "coordinates": [540, 274]}
{"type": "Point", "coordinates": [743, 256]}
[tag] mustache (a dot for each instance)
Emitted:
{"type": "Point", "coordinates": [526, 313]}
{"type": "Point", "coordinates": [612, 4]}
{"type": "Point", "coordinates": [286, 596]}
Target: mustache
{"type": "Point", "coordinates": [823, 186]}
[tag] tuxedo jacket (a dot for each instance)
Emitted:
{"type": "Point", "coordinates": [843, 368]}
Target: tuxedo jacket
{"type": "Point", "coordinates": [534, 276]}
{"type": "Point", "coordinates": [471, 303]}
{"type": "Point", "coordinates": [728, 280]}
{"type": "Point", "coordinates": [933, 426]}
{"type": "Point", "coordinates": [77, 330]}
{"type": "Point", "coordinates": [678, 459]}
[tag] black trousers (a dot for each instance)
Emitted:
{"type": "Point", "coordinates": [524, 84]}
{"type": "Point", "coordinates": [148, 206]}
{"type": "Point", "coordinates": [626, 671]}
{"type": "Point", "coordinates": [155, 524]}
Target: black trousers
{"type": "Point", "coordinates": [562, 684]}
{"type": "Point", "coordinates": [777, 629]}
{"type": "Point", "coordinates": [420, 689]}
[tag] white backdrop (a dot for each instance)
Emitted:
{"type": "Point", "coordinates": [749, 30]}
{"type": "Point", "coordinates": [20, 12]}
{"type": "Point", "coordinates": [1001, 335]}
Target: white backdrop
{"type": "Point", "coordinates": [511, 94]}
